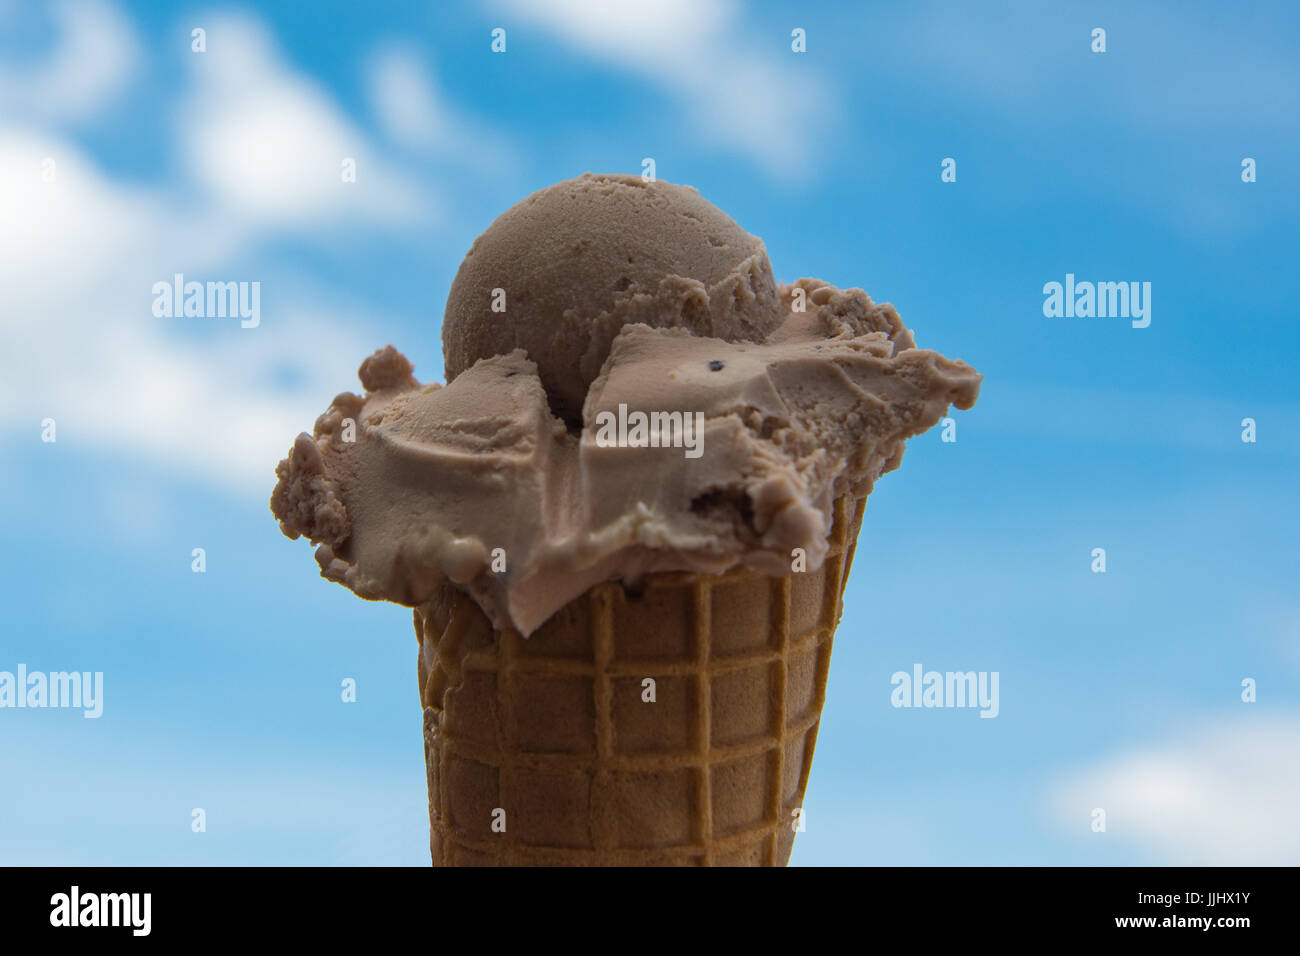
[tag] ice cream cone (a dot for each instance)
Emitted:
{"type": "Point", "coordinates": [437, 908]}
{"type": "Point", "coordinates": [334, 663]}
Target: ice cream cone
{"type": "Point", "coordinates": [547, 751]}
{"type": "Point", "coordinates": [658, 711]}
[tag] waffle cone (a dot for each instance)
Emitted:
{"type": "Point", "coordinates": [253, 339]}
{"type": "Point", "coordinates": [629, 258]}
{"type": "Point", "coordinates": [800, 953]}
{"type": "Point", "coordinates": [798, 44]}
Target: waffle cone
{"type": "Point", "coordinates": [543, 752]}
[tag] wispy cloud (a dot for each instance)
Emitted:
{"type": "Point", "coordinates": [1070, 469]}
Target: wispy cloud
{"type": "Point", "coordinates": [414, 112]}
{"type": "Point", "coordinates": [1226, 796]}
{"type": "Point", "coordinates": [81, 249]}
{"type": "Point", "coordinates": [270, 145]}
{"type": "Point", "coordinates": [91, 63]}
{"type": "Point", "coordinates": [700, 51]}
{"type": "Point", "coordinates": [78, 259]}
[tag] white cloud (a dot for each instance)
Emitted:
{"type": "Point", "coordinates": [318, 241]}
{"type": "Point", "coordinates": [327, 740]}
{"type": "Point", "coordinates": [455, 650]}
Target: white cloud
{"type": "Point", "coordinates": [403, 98]}
{"type": "Point", "coordinates": [91, 63]}
{"type": "Point", "coordinates": [1224, 796]}
{"type": "Point", "coordinates": [260, 146]}
{"type": "Point", "coordinates": [78, 258]}
{"type": "Point", "coordinates": [77, 225]}
{"type": "Point", "coordinates": [413, 112]}
{"type": "Point", "coordinates": [649, 34]}
{"type": "Point", "coordinates": [79, 255]}
{"type": "Point", "coordinates": [270, 145]}
{"type": "Point", "coordinates": [735, 95]}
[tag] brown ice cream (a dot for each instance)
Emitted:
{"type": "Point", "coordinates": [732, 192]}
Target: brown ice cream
{"type": "Point", "coordinates": [654, 460]}
{"type": "Point", "coordinates": [577, 262]}
{"type": "Point", "coordinates": [521, 481]}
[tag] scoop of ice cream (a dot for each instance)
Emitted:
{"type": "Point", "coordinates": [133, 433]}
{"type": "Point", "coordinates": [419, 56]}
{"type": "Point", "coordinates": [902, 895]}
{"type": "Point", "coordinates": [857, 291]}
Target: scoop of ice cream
{"type": "Point", "coordinates": [560, 273]}
{"type": "Point", "coordinates": [649, 400]}
{"type": "Point", "coordinates": [695, 454]}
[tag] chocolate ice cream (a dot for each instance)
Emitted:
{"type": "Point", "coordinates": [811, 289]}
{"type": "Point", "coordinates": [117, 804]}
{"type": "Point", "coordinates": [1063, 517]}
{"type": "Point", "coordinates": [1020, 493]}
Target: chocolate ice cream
{"type": "Point", "coordinates": [649, 400]}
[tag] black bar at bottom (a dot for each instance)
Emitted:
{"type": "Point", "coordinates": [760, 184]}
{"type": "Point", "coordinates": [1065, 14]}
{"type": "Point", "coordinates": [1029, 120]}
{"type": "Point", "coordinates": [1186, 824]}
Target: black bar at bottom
{"type": "Point", "coordinates": [304, 905]}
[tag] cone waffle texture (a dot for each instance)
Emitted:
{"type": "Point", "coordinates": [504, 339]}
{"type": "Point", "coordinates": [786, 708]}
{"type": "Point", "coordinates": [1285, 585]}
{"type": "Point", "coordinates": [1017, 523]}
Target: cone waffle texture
{"type": "Point", "coordinates": [551, 738]}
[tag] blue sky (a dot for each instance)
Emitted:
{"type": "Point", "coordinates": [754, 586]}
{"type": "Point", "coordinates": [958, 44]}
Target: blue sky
{"type": "Point", "coordinates": [1119, 690]}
